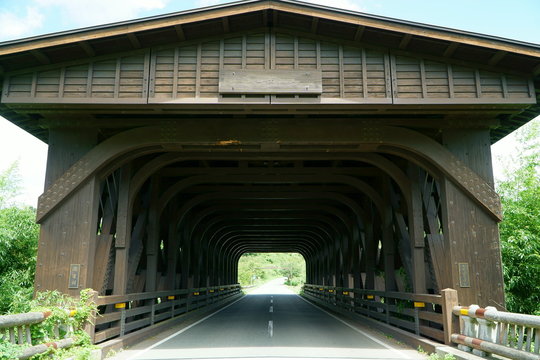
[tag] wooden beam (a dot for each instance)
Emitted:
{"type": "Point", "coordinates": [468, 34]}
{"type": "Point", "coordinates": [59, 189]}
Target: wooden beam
{"type": "Point", "coordinates": [87, 48]}
{"type": "Point", "coordinates": [405, 40]}
{"type": "Point", "coordinates": [41, 57]}
{"type": "Point", "coordinates": [134, 40]}
{"type": "Point", "coordinates": [314, 25]}
{"type": "Point", "coordinates": [450, 49]}
{"type": "Point", "coordinates": [495, 59]}
{"type": "Point", "coordinates": [359, 33]}
{"type": "Point", "coordinates": [180, 32]}
{"type": "Point", "coordinates": [225, 23]}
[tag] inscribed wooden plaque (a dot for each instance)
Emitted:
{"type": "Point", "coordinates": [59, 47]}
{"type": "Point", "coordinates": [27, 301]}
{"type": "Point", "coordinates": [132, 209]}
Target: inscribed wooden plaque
{"type": "Point", "coordinates": [270, 81]}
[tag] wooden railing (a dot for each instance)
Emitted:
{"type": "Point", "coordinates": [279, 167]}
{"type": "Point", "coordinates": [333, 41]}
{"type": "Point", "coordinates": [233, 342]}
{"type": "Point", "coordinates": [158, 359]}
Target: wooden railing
{"type": "Point", "coordinates": [422, 314]}
{"type": "Point", "coordinates": [123, 314]}
{"type": "Point", "coordinates": [16, 329]}
{"type": "Point", "coordinates": [488, 331]}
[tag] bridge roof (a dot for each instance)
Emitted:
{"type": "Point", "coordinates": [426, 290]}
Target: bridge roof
{"type": "Point", "coordinates": [489, 52]}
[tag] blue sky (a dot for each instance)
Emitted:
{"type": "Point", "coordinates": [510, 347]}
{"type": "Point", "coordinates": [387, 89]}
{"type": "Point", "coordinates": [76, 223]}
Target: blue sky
{"type": "Point", "coordinates": [518, 20]}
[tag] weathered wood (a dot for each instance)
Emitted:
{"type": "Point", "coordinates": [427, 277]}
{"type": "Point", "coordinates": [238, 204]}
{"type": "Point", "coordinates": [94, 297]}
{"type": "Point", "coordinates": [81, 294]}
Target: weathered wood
{"type": "Point", "coordinates": [69, 237]}
{"type": "Point", "coordinates": [270, 82]}
{"type": "Point", "coordinates": [416, 231]}
{"type": "Point", "coordinates": [450, 322]}
{"type": "Point", "coordinates": [123, 233]}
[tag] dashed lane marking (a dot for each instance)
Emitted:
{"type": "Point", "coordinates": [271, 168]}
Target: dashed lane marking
{"type": "Point", "coordinates": [271, 328]}
{"type": "Point", "coordinates": [271, 309]}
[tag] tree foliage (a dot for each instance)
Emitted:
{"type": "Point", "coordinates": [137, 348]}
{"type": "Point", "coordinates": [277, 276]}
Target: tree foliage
{"type": "Point", "coordinates": [259, 267]}
{"type": "Point", "coordinates": [18, 246]}
{"type": "Point", "coordinates": [520, 229]}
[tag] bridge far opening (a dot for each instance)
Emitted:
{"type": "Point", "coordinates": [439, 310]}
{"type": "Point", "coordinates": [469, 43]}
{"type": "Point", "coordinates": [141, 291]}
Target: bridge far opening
{"type": "Point", "coordinates": [276, 269]}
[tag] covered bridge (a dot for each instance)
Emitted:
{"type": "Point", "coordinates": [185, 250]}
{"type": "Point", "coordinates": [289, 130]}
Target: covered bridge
{"type": "Point", "coordinates": [179, 142]}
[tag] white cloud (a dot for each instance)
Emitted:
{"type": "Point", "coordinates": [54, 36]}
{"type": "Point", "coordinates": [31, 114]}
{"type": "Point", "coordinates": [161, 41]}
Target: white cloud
{"type": "Point", "coordinates": [84, 12]}
{"type": "Point", "coordinates": [15, 26]}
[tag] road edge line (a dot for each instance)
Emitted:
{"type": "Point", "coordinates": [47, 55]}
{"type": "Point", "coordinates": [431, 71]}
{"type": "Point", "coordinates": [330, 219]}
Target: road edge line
{"type": "Point", "coordinates": [144, 351]}
{"type": "Point", "coordinates": [405, 356]}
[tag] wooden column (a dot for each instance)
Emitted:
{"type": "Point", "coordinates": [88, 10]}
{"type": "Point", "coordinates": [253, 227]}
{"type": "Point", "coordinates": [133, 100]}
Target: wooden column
{"type": "Point", "coordinates": [172, 251]}
{"type": "Point", "coordinates": [416, 231]}
{"type": "Point", "coordinates": [388, 239]}
{"type": "Point", "coordinates": [123, 233]}
{"type": "Point", "coordinates": [67, 243]}
{"type": "Point", "coordinates": [152, 244]}
{"type": "Point", "coordinates": [471, 235]}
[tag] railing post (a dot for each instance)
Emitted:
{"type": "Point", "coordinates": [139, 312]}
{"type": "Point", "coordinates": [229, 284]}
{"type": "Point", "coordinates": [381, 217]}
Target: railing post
{"type": "Point", "coordinates": [450, 322]}
{"type": "Point", "coordinates": [153, 312]}
{"type": "Point", "coordinates": [122, 307]}
{"type": "Point", "coordinates": [90, 325]}
{"type": "Point", "coordinates": [469, 326]}
{"type": "Point", "coordinates": [485, 332]}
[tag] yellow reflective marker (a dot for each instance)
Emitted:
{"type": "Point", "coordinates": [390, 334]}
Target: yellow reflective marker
{"type": "Point", "coordinates": [195, 293]}
{"type": "Point", "coordinates": [170, 297]}
{"type": "Point", "coordinates": [419, 304]}
{"type": "Point", "coordinates": [321, 289]}
{"type": "Point", "coordinates": [221, 289]}
{"type": "Point", "coordinates": [120, 306]}
{"type": "Point", "coordinates": [371, 297]}
{"type": "Point", "coordinates": [345, 293]}
{"type": "Point", "coordinates": [330, 290]}
{"type": "Point", "coordinates": [211, 291]}
{"type": "Point", "coordinates": [464, 312]}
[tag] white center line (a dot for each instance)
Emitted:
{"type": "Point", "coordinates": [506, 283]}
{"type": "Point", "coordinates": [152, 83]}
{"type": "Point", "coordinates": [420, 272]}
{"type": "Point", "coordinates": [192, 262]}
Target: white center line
{"type": "Point", "coordinates": [271, 301]}
{"type": "Point", "coordinates": [271, 309]}
{"type": "Point", "coordinates": [271, 328]}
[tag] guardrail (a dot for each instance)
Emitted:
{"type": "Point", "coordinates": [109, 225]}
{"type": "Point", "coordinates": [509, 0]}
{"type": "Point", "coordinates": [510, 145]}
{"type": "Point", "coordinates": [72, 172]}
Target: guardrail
{"type": "Point", "coordinates": [124, 314]}
{"type": "Point", "coordinates": [422, 314]}
{"type": "Point", "coordinates": [488, 331]}
{"type": "Point", "coordinates": [16, 329]}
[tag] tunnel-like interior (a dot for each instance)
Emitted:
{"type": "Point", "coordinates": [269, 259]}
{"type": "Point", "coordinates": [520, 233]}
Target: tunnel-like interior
{"type": "Point", "coordinates": [192, 218]}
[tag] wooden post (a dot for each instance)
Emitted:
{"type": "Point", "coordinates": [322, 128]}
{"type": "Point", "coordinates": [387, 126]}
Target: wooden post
{"type": "Point", "coordinates": [90, 325]}
{"type": "Point", "coordinates": [416, 232]}
{"type": "Point", "coordinates": [123, 233]}
{"type": "Point", "coordinates": [450, 321]}
{"type": "Point", "coordinates": [152, 244]}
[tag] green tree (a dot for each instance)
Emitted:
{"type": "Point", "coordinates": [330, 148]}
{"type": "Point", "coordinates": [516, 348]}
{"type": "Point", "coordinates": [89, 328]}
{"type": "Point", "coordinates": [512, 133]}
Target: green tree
{"type": "Point", "coordinates": [520, 228]}
{"type": "Point", "coordinates": [18, 246]}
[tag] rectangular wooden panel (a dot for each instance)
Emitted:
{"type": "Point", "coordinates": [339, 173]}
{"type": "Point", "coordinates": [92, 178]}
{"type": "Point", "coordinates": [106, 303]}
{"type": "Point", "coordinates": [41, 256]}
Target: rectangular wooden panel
{"type": "Point", "coordinates": [276, 81]}
{"type": "Point", "coordinates": [419, 81]}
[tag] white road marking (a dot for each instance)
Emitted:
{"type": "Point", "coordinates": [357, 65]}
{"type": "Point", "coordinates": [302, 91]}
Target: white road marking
{"type": "Point", "coordinates": [181, 331]}
{"type": "Point", "coordinates": [271, 309]}
{"type": "Point", "coordinates": [396, 351]}
{"type": "Point", "coordinates": [271, 301]}
{"type": "Point", "coordinates": [271, 328]}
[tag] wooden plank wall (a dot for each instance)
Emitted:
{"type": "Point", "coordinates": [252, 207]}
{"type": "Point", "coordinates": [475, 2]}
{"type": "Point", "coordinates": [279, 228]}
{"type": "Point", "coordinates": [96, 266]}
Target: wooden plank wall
{"type": "Point", "coordinates": [189, 73]}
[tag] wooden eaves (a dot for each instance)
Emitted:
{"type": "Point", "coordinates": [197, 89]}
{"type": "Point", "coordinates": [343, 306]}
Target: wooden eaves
{"type": "Point", "coordinates": [431, 41]}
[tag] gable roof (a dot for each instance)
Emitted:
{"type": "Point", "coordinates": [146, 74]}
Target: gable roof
{"type": "Point", "coordinates": [426, 40]}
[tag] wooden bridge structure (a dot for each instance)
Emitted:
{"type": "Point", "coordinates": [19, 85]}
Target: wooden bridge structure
{"type": "Point", "coordinates": [179, 142]}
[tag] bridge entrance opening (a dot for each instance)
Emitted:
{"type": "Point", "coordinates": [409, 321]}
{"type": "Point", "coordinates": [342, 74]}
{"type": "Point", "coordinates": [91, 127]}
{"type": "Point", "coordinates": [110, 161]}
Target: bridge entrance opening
{"type": "Point", "coordinates": [258, 268]}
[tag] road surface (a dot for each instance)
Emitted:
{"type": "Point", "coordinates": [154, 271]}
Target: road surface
{"type": "Point", "coordinates": [271, 322]}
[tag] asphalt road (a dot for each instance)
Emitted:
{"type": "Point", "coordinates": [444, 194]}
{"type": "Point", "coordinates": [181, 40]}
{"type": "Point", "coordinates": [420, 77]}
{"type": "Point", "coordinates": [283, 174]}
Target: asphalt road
{"type": "Point", "coordinates": [271, 322]}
